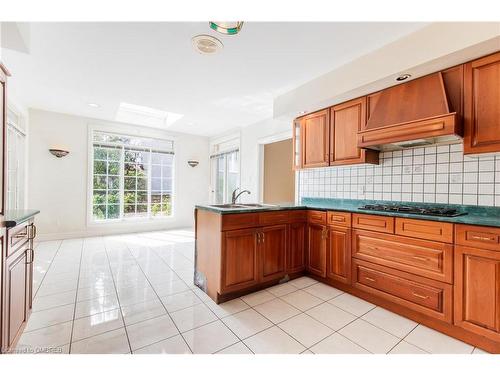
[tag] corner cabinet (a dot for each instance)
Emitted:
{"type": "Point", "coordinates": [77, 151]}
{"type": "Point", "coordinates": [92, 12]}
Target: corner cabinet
{"type": "Point", "coordinates": [346, 120]}
{"type": "Point", "coordinates": [315, 143]}
{"type": "Point", "coordinates": [482, 105]}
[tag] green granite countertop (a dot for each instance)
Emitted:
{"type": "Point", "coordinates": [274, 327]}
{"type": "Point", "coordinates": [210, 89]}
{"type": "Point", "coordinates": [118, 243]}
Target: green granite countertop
{"type": "Point", "coordinates": [15, 217]}
{"type": "Point", "coordinates": [473, 215]}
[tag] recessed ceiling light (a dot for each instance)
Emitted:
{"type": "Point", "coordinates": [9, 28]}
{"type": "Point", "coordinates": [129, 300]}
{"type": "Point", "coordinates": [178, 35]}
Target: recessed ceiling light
{"type": "Point", "coordinates": [93, 105]}
{"type": "Point", "coordinates": [227, 28]}
{"type": "Point", "coordinates": [403, 77]}
{"type": "Point", "coordinates": [206, 44]}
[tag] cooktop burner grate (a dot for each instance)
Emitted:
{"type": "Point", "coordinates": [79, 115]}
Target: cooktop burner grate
{"type": "Point", "coordinates": [417, 210]}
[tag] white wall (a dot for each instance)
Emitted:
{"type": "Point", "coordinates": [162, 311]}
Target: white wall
{"type": "Point", "coordinates": [58, 187]}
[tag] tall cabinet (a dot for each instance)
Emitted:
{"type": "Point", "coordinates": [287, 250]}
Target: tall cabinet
{"type": "Point", "coordinates": [3, 241]}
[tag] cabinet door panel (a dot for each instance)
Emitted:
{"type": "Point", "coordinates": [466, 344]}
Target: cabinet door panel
{"type": "Point", "coordinates": [316, 249]}
{"type": "Point", "coordinates": [296, 247]}
{"type": "Point", "coordinates": [315, 138]}
{"type": "Point", "coordinates": [339, 254]}
{"type": "Point", "coordinates": [15, 297]}
{"type": "Point", "coordinates": [273, 247]}
{"type": "Point", "coordinates": [477, 291]}
{"type": "Point", "coordinates": [482, 105]}
{"type": "Point", "coordinates": [239, 260]}
{"type": "Point", "coordinates": [346, 120]}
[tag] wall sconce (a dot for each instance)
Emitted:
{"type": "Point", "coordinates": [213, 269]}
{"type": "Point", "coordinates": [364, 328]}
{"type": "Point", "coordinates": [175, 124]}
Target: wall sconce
{"type": "Point", "coordinates": [58, 152]}
{"type": "Point", "coordinates": [193, 163]}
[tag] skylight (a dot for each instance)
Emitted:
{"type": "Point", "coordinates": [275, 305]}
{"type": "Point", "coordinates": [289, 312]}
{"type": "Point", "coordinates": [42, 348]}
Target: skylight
{"type": "Point", "coordinates": [146, 116]}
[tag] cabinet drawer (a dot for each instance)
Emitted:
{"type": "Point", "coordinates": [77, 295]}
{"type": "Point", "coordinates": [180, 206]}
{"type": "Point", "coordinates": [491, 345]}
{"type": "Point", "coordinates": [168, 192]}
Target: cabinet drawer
{"type": "Point", "coordinates": [318, 217]}
{"type": "Point", "coordinates": [377, 223]}
{"type": "Point", "coordinates": [17, 238]}
{"type": "Point", "coordinates": [281, 217]}
{"type": "Point", "coordinates": [425, 229]}
{"type": "Point", "coordinates": [240, 221]}
{"type": "Point", "coordinates": [481, 237]}
{"type": "Point", "coordinates": [428, 297]}
{"type": "Point", "coordinates": [339, 218]}
{"type": "Point", "coordinates": [424, 258]}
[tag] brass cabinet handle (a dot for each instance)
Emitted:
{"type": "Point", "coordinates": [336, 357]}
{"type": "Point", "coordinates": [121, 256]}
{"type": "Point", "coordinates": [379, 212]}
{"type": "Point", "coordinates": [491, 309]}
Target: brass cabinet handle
{"type": "Point", "coordinates": [258, 236]}
{"type": "Point", "coordinates": [22, 235]}
{"type": "Point", "coordinates": [481, 238]}
{"type": "Point", "coordinates": [420, 258]}
{"type": "Point", "coordinates": [263, 238]}
{"type": "Point", "coordinates": [370, 279]}
{"type": "Point", "coordinates": [31, 257]}
{"type": "Point", "coordinates": [420, 296]}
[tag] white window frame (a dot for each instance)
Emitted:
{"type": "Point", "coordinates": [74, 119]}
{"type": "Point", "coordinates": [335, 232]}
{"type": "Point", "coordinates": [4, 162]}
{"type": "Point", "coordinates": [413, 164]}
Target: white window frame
{"type": "Point", "coordinates": [225, 192]}
{"type": "Point", "coordinates": [134, 133]}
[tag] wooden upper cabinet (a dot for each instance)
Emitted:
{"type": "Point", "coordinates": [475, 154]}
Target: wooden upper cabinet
{"type": "Point", "coordinates": [482, 105]}
{"type": "Point", "coordinates": [315, 141]}
{"type": "Point", "coordinates": [346, 120]}
{"type": "Point", "coordinates": [477, 291]}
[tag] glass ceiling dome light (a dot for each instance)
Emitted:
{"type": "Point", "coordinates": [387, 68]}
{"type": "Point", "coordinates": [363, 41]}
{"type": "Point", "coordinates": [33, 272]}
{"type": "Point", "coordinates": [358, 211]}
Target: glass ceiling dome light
{"type": "Point", "coordinates": [227, 28]}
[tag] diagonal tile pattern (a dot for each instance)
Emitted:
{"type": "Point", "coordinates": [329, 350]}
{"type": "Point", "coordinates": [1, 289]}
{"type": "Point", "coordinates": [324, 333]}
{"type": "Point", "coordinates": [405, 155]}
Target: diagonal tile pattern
{"type": "Point", "coordinates": [135, 294]}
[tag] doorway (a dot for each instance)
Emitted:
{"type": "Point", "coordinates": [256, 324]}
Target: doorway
{"type": "Point", "coordinates": [278, 175]}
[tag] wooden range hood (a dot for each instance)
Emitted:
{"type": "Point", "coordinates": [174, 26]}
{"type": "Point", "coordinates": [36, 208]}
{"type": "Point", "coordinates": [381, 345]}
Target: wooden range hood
{"type": "Point", "coordinates": [413, 114]}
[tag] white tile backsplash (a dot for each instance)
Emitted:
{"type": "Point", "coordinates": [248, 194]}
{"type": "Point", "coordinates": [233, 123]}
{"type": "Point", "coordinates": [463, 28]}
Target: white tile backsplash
{"type": "Point", "coordinates": [434, 174]}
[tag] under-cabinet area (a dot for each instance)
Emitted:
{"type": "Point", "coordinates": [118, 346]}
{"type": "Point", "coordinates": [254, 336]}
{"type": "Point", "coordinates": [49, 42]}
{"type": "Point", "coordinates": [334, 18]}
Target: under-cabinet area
{"type": "Point", "coordinates": [442, 274]}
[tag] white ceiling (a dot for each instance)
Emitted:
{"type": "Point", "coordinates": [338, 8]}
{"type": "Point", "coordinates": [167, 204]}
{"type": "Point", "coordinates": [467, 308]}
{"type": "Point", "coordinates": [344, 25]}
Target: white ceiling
{"type": "Point", "coordinates": [154, 64]}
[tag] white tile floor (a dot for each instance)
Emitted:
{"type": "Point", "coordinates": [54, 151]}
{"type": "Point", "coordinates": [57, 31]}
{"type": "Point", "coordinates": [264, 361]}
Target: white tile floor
{"type": "Point", "coordinates": [134, 294]}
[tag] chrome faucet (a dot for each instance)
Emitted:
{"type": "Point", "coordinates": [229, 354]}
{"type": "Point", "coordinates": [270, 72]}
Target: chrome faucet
{"type": "Point", "coordinates": [235, 196]}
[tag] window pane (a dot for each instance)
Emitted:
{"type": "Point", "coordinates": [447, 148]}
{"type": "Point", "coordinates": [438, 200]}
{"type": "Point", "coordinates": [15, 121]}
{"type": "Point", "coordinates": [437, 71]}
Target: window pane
{"type": "Point", "coordinates": [99, 167]}
{"type": "Point", "coordinates": [146, 168]}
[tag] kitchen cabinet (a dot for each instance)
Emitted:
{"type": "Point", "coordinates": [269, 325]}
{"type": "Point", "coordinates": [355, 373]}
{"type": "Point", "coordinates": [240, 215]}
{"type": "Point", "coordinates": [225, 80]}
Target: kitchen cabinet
{"type": "Point", "coordinates": [482, 105]}
{"type": "Point", "coordinates": [315, 138]}
{"type": "Point", "coordinates": [272, 250]}
{"type": "Point", "coordinates": [297, 247]}
{"type": "Point", "coordinates": [17, 290]}
{"type": "Point", "coordinates": [316, 249]}
{"type": "Point", "coordinates": [339, 254]}
{"type": "Point", "coordinates": [346, 120]}
{"type": "Point", "coordinates": [477, 291]}
{"type": "Point", "coordinates": [240, 264]}
{"type": "Point", "coordinates": [297, 144]}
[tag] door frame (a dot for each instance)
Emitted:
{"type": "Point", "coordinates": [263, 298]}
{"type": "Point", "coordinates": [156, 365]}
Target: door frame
{"type": "Point", "coordinates": [283, 136]}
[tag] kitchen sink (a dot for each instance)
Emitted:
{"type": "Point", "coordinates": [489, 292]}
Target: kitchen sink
{"type": "Point", "coordinates": [241, 205]}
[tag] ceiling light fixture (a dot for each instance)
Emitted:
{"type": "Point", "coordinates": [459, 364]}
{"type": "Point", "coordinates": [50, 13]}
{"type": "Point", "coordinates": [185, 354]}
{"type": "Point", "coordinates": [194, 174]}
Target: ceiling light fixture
{"type": "Point", "coordinates": [93, 105]}
{"type": "Point", "coordinates": [403, 77]}
{"type": "Point", "coordinates": [226, 28]}
{"type": "Point", "coordinates": [206, 44]}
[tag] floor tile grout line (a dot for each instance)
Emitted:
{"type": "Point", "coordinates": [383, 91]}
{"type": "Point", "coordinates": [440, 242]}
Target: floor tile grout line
{"type": "Point", "coordinates": [116, 291]}
{"type": "Point", "coordinates": [76, 297]}
{"type": "Point", "coordinates": [47, 271]}
{"type": "Point", "coordinates": [149, 282]}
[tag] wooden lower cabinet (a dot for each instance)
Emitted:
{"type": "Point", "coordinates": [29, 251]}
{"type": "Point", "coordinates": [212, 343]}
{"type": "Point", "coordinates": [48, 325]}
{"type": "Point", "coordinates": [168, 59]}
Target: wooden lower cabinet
{"type": "Point", "coordinates": [316, 249]}
{"type": "Point", "coordinates": [477, 291]}
{"type": "Point", "coordinates": [428, 297]}
{"type": "Point", "coordinates": [17, 290]}
{"type": "Point", "coordinates": [240, 263]}
{"type": "Point", "coordinates": [296, 251]}
{"type": "Point", "coordinates": [338, 256]}
{"type": "Point", "coordinates": [273, 242]}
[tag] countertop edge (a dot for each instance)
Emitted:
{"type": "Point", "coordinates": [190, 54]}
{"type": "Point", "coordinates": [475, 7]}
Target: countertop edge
{"type": "Point", "coordinates": [13, 218]}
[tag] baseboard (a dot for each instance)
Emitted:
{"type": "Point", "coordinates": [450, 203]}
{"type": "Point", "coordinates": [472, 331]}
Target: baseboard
{"type": "Point", "coordinates": [95, 233]}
